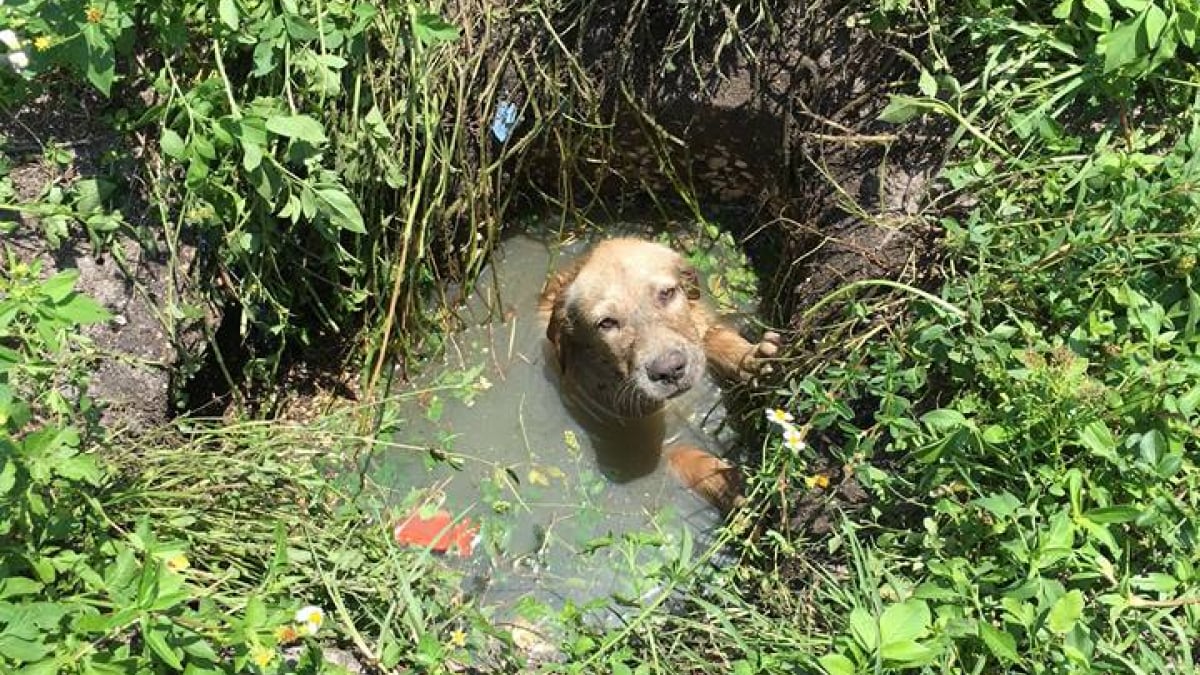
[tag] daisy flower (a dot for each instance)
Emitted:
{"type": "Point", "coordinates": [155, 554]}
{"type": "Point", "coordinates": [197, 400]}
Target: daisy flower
{"type": "Point", "coordinates": [9, 39]}
{"type": "Point", "coordinates": [309, 619]}
{"type": "Point", "coordinates": [779, 416]}
{"type": "Point", "coordinates": [793, 440]}
{"type": "Point", "coordinates": [261, 656]}
{"type": "Point", "coordinates": [18, 60]}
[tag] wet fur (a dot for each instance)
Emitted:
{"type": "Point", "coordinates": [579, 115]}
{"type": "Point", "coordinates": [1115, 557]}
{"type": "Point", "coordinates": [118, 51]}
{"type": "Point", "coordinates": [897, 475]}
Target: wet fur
{"type": "Point", "coordinates": [605, 371]}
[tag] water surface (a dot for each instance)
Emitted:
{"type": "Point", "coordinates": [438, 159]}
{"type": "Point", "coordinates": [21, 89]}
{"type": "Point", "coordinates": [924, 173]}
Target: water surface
{"type": "Point", "coordinates": [554, 528]}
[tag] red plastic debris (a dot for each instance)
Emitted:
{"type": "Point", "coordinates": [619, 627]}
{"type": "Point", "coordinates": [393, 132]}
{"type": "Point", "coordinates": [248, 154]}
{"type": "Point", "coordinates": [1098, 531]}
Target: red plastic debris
{"type": "Point", "coordinates": [438, 533]}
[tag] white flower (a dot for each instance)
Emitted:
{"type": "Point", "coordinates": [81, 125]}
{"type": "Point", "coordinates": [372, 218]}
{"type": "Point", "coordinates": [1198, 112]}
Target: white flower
{"type": "Point", "coordinates": [793, 439]}
{"type": "Point", "coordinates": [779, 416]}
{"type": "Point", "coordinates": [309, 619]}
{"type": "Point", "coordinates": [18, 60]}
{"type": "Point", "coordinates": [9, 39]}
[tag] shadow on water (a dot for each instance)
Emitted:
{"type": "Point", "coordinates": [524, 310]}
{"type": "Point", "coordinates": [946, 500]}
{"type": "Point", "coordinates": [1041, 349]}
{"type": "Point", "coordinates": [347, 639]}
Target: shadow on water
{"type": "Point", "coordinates": [489, 439]}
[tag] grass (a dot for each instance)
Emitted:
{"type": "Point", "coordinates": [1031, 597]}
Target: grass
{"type": "Point", "coordinates": [1004, 463]}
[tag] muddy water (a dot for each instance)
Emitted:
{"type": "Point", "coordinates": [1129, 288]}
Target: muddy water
{"type": "Point", "coordinates": [554, 528]}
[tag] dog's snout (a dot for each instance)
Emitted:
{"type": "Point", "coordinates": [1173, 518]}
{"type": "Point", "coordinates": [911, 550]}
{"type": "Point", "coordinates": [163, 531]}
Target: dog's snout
{"type": "Point", "coordinates": [668, 368]}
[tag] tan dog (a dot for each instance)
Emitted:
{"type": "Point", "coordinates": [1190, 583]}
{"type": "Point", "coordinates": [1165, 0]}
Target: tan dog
{"type": "Point", "coordinates": [627, 332]}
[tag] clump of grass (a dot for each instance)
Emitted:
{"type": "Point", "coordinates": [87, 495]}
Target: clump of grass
{"type": "Point", "coordinates": [1025, 436]}
{"type": "Point", "coordinates": [260, 515]}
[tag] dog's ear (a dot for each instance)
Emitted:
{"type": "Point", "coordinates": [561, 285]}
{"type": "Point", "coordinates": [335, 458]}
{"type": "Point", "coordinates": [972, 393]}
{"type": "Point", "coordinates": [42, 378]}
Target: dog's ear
{"type": "Point", "coordinates": [556, 327]}
{"type": "Point", "coordinates": [690, 281]}
{"type": "Point", "coordinates": [553, 306]}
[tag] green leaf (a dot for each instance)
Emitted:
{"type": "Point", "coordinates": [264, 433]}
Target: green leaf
{"type": "Point", "coordinates": [1153, 446]}
{"type": "Point", "coordinates": [432, 29]}
{"type": "Point", "coordinates": [101, 64]}
{"type": "Point", "coordinates": [1066, 612]}
{"type": "Point", "coordinates": [80, 467]}
{"type": "Point", "coordinates": [1169, 465]}
{"type": "Point", "coordinates": [252, 155]}
{"type": "Point", "coordinates": [836, 664]}
{"type": "Point", "coordinates": [16, 586]}
{"type": "Point", "coordinates": [59, 286]}
{"type": "Point", "coordinates": [1063, 9]}
{"type": "Point", "coordinates": [1001, 505]}
{"type": "Point", "coordinates": [1188, 25]}
{"type": "Point", "coordinates": [81, 310]}
{"type": "Point", "coordinates": [1156, 582]}
{"type": "Point", "coordinates": [256, 613]}
{"type": "Point", "coordinates": [907, 620]}
{"type": "Point", "coordinates": [90, 194]}
{"type": "Point", "coordinates": [1120, 45]}
{"type": "Point", "coordinates": [1099, 441]}
{"type": "Point", "coordinates": [927, 83]}
{"type": "Point", "coordinates": [17, 649]}
{"type": "Point", "coordinates": [300, 127]}
{"type": "Point", "coordinates": [228, 11]}
{"type": "Point", "coordinates": [901, 109]}
{"type": "Point", "coordinates": [1153, 25]}
{"type": "Point", "coordinates": [906, 651]}
{"type": "Point", "coordinates": [157, 642]}
{"type": "Point", "coordinates": [172, 144]}
{"type": "Point", "coordinates": [863, 628]}
{"type": "Point", "coordinates": [1099, 8]}
{"type": "Point", "coordinates": [1001, 643]}
{"type": "Point", "coordinates": [342, 210]}
{"type": "Point", "coordinates": [944, 418]}
{"type": "Point", "coordinates": [46, 667]}
{"type": "Point", "coordinates": [1113, 514]}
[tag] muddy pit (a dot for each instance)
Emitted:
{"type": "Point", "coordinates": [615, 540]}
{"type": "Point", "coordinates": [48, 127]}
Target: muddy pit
{"type": "Point", "coordinates": [555, 526]}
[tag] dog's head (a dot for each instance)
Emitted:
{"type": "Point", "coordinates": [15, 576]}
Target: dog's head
{"type": "Point", "coordinates": [622, 325]}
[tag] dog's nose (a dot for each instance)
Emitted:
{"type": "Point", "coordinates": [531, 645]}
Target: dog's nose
{"type": "Point", "coordinates": [668, 367]}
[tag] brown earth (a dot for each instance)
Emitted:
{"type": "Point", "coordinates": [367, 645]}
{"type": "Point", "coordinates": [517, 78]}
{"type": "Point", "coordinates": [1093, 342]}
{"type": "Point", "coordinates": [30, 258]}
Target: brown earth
{"type": "Point", "coordinates": [137, 349]}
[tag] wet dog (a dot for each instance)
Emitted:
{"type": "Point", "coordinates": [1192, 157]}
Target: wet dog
{"type": "Point", "coordinates": [627, 332]}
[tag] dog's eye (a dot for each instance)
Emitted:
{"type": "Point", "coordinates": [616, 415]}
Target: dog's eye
{"type": "Point", "coordinates": [667, 294]}
{"type": "Point", "coordinates": [608, 323]}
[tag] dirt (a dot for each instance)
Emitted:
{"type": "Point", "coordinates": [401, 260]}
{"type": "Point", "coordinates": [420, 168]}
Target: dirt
{"type": "Point", "coordinates": [136, 352]}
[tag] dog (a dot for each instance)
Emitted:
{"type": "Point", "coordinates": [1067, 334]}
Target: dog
{"type": "Point", "coordinates": [627, 331]}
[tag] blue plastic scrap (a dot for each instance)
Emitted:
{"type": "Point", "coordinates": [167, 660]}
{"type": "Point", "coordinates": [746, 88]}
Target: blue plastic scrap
{"type": "Point", "coordinates": [504, 121]}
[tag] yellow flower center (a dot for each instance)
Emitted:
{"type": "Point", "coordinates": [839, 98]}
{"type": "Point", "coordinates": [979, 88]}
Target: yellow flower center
{"type": "Point", "coordinates": [262, 656]}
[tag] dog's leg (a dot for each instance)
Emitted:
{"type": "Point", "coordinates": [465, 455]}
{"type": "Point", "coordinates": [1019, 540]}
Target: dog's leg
{"type": "Point", "coordinates": [714, 479]}
{"type": "Point", "coordinates": [734, 357]}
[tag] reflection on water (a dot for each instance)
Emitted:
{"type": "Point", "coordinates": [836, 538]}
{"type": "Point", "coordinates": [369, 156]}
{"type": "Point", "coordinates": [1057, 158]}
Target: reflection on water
{"type": "Point", "coordinates": [554, 529]}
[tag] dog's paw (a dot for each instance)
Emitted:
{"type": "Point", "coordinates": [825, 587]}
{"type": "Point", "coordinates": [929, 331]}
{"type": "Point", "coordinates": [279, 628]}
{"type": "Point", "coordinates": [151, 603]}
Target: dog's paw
{"type": "Point", "coordinates": [769, 346]}
{"type": "Point", "coordinates": [755, 360]}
